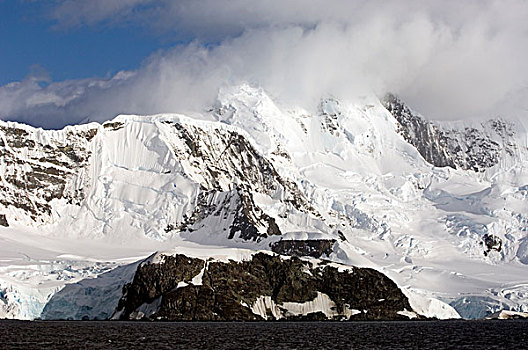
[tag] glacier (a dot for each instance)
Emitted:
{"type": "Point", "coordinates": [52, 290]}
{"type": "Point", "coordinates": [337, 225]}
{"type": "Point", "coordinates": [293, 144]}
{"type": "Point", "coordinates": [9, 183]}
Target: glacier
{"type": "Point", "coordinates": [440, 208]}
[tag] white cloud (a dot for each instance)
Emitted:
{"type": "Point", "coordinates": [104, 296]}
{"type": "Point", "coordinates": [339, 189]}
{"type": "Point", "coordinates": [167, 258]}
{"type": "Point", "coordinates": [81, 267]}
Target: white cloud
{"type": "Point", "coordinates": [449, 59]}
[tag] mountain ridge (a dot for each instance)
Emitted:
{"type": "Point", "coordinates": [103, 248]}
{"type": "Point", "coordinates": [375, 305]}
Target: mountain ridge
{"type": "Point", "coordinates": [254, 175]}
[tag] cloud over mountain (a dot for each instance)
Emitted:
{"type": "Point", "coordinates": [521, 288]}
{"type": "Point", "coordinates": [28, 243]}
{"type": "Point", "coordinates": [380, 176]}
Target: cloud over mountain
{"type": "Point", "coordinates": [449, 59]}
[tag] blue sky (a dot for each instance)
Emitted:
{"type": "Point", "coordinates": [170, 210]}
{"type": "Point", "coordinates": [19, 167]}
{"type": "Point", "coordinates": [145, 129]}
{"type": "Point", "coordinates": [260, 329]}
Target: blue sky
{"type": "Point", "coordinates": [28, 37]}
{"type": "Point", "coordinates": [73, 61]}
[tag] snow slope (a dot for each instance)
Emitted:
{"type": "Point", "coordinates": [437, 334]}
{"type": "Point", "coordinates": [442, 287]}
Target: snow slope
{"type": "Point", "coordinates": [84, 200]}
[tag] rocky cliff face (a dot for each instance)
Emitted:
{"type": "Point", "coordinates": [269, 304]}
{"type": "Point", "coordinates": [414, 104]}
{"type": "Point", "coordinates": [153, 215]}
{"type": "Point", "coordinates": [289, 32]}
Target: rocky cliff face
{"type": "Point", "coordinates": [468, 148]}
{"type": "Point", "coordinates": [265, 287]}
{"type": "Point", "coordinates": [36, 167]}
{"type": "Point", "coordinates": [230, 172]}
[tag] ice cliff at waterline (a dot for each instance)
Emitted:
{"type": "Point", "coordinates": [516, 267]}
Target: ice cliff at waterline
{"type": "Point", "coordinates": [439, 208]}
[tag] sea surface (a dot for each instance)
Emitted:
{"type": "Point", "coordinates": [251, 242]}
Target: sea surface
{"type": "Point", "coordinates": [507, 334]}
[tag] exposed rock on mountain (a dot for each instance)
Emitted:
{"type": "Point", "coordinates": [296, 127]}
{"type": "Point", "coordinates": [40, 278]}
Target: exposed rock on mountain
{"type": "Point", "coordinates": [39, 166]}
{"type": "Point", "coordinates": [230, 171]}
{"type": "Point", "coordinates": [266, 287]}
{"type": "Point", "coordinates": [491, 242]}
{"type": "Point", "coordinates": [3, 221]}
{"type": "Point", "coordinates": [428, 139]}
{"type": "Point", "coordinates": [311, 247]}
{"type": "Point", "coordinates": [468, 148]}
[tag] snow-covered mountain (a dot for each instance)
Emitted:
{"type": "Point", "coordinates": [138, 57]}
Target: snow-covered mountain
{"type": "Point", "coordinates": [440, 208]}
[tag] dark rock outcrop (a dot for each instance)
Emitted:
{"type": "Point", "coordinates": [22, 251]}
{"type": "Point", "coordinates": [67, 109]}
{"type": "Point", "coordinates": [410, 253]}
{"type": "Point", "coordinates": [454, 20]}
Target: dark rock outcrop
{"type": "Point", "coordinates": [329, 109]}
{"type": "Point", "coordinates": [113, 125]}
{"type": "Point", "coordinates": [182, 288]}
{"type": "Point", "coordinates": [36, 173]}
{"type": "Point", "coordinates": [3, 220]}
{"type": "Point", "coordinates": [233, 209]}
{"type": "Point", "coordinates": [467, 148]}
{"type": "Point", "coordinates": [310, 247]}
{"type": "Point", "coordinates": [246, 215]}
{"type": "Point", "coordinates": [428, 139]}
{"type": "Point", "coordinates": [491, 242]}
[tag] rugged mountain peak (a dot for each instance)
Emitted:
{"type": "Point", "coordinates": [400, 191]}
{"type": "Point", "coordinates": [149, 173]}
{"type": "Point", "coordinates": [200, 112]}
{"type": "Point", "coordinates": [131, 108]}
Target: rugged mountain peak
{"type": "Point", "coordinates": [429, 140]}
{"type": "Point", "coordinates": [469, 147]}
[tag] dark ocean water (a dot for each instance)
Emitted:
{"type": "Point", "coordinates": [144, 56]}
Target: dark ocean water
{"type": "Point", "coordinates": [264, 335]}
